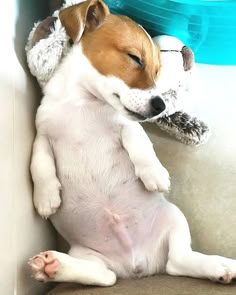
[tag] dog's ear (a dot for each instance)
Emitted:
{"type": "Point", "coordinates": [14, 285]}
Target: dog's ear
{"type": "Point", "coordinates": [84, 16]}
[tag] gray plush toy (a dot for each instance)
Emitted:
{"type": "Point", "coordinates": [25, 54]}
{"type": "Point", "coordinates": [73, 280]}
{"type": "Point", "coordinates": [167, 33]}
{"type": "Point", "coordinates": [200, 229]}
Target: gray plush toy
{"type": "Point", "coordinates": [48, 43]}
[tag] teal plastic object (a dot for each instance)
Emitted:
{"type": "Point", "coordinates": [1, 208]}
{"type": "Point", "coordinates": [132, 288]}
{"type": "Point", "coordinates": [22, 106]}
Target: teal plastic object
{"type": "Point", "coordinates": [208, 27]}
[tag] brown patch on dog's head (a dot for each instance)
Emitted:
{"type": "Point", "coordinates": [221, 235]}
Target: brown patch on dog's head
{"type": "Point", "coordinates": [115, 45]}
{"type": "Point", "coordinates": [122, 49]}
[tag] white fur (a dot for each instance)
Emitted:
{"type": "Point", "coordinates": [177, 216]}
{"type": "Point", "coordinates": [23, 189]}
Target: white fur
{"type": "Point", "coordinates": [63, 89]}
{"type": "Point", "coordinates": [110, 179]}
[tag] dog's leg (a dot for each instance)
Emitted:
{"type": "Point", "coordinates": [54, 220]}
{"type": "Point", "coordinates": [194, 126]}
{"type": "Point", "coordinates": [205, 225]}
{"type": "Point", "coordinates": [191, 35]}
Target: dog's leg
{"type": "Point", "coordinates": [46, 185]}
{"type": "Point", "coordinates": [53, 266]}
{"type": "Point", "coordinates": [182, 261]}
{"type": "Point", "coordinates": [147, 167]}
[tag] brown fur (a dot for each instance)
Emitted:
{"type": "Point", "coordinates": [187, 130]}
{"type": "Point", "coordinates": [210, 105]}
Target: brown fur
{"type": "Point", "coordinates": [83, 16]}
{"type": "Point", "coordinates": [108, 39]}
{"type": "Point", "coordinates": [108, 47]}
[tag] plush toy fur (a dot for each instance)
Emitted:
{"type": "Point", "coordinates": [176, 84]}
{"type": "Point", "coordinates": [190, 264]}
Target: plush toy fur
{"type": "Point", "coordinates": [48, 43]}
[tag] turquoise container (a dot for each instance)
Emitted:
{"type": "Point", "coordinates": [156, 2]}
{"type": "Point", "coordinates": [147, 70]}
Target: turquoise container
{"type": "Point", "coordinates": [208, 27]}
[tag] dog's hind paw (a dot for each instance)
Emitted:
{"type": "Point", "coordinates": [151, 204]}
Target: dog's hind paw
{"type": "Point", "coordinates": [226, 278]}
{"type": "Point", "coordinates": [53, 266]}
{"type": "Point", "coordinates": [225, 272]}
{"type": "Point", "coordinates": [44, 266]}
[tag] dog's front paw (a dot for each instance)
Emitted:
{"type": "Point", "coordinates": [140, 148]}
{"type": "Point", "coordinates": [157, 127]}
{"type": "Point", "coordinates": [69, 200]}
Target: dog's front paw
{"type": "Point", "coordinates": [155, 178]}
{"type": "Point", "coordinates": [47, 198]}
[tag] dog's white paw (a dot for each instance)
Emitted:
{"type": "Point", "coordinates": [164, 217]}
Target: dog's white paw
{"type": "Point", "coordinates": [224, 270]}
{"type": "Point", "coordinates": [155, 178]}
{"type": "Point", "coordinates": [47, 198]}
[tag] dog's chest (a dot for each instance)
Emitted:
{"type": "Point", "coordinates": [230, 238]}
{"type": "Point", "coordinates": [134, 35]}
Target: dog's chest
{"type": "Point", "coordinates": [82, 123]}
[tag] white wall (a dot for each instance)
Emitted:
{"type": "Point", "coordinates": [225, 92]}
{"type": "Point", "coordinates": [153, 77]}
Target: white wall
{"type": "Point", "coordinates": [22, 232]}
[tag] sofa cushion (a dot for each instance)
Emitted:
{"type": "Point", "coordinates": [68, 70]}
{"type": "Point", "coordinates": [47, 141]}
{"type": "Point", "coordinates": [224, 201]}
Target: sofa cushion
{"type": "Point", "coordinates": [157, 285]}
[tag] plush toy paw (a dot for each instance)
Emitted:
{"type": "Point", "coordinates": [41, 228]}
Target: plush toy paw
{"type": "Point", "coordinates": [185, 128]}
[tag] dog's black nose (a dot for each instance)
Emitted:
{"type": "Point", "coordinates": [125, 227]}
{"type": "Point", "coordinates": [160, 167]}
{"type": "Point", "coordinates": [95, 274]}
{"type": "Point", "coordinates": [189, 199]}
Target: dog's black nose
{"type": "Point", "coordinates": [157, 105]}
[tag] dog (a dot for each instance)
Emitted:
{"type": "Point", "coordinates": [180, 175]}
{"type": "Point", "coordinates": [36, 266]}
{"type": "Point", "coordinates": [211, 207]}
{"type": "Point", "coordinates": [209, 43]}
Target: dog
{"type": "Point", "coordinates": [94, 169]}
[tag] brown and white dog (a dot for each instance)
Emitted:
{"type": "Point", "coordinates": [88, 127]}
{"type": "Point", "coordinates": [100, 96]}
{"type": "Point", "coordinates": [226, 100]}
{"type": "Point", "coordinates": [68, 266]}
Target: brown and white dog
{"type": "Point", "coordinates": [94, 169]}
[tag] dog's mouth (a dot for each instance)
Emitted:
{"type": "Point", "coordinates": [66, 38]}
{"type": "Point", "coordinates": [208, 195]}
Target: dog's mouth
{"type": "Point", "coordinates": [135, 115]}
{"type": "Point", "coordinates": [154, 111]}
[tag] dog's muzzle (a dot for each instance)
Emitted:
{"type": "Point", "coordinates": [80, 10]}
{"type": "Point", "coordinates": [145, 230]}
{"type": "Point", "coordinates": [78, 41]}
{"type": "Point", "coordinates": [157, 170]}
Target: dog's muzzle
{"type": "Point", "coordinates": [156, 107]}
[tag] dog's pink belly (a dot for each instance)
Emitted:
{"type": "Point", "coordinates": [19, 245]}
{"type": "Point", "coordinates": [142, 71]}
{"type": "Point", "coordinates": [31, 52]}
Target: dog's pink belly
{"type": "Point", "coordinates": [128, 229]}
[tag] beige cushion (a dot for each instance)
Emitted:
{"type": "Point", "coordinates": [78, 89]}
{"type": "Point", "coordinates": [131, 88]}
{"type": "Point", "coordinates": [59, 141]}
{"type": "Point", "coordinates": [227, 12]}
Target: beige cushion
{"type": "Point", "coordinates": [158, 285]}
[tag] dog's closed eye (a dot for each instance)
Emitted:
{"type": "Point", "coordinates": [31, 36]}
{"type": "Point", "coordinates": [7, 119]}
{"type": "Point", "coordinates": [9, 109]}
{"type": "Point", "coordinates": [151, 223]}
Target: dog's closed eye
{"type": "Point", "coordinates": [116, 95]}
{"type": "Point", "coordinates": [137, 60]}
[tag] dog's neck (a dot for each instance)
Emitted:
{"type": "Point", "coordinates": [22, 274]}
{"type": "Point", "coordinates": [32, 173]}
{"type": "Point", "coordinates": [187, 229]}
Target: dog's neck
{"type": "Point", "coordinates": [71, 80]}
{"type": "Point", "coordinates": [77, 81]}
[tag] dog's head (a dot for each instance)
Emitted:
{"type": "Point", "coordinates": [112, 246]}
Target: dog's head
{"type": "Point", "coordinates": [119, 62]}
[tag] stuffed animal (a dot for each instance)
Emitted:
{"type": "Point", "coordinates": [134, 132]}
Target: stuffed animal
{"type": "Point", "coordinates": [175, 83]}
{"type": "Point", "coordinates": [48, 43]}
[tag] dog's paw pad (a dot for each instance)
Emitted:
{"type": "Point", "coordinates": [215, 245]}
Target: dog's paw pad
{"type": "Point", "coordinates": [44, 266]}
